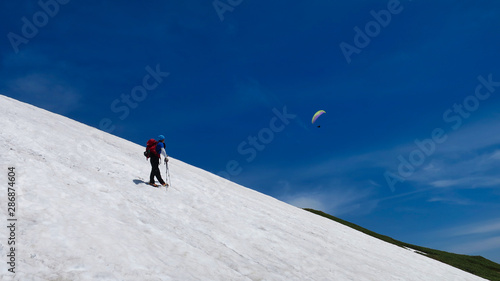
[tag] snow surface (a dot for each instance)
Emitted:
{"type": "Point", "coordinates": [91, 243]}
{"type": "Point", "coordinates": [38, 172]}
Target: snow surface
{"type": "Point", "coordinates": [84, 214]}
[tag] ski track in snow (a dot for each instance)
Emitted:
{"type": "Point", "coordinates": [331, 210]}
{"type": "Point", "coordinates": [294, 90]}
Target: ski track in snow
{"type": "Point", "coordinates": [84, 214]}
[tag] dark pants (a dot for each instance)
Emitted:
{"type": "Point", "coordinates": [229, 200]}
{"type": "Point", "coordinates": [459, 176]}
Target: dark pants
{"type": "Point", "coordinates": [155, 170]}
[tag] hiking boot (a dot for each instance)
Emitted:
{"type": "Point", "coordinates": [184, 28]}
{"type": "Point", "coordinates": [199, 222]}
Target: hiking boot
{"type": "Point", "coordinates": [153, 184]}
{"type": "Point", "coordinates": [165, 184]}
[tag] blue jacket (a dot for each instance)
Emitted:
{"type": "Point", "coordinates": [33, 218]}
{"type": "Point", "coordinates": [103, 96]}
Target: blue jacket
{"type": "Point", "coordinates": [159, 146]}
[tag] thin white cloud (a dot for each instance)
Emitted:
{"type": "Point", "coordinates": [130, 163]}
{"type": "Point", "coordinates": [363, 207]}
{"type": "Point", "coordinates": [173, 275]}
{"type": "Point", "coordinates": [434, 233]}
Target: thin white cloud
{"type": "Point", "coordinates": [43, 82]}
{"type": "Point", "coordinates": [468, 182]}
{"type": "Point", "coordinates": [452, 163]}
{"type": "Point", "coordinates": [471, 238]}
{"type": "Point", "coordinates": [305, 201]}
{"type": "Point", "coordinates": [450, 200]}
{"type": "Point", "coordinates": [481, 228]}
{"type": "Point", "coordinates": [487, 227]}
{"type": "Point", "coordinates": [473, 136]}
{"type": "Point", "coordinates": [467, 159]}
{"type": "Point", "coordinates": [482, 245]}
{"type": "Point", "coordinates": [335, 199]}
{"type": "Point", "coordinates": [51, 92]}
{"type": "Point", "coordinates": [495, 155]}
{"type": "Point", "coordinates": [445, 183]}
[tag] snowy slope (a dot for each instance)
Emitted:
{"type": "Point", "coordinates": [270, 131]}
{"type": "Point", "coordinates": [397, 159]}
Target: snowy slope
{"type": "Point", "coordinates": [84, 214]}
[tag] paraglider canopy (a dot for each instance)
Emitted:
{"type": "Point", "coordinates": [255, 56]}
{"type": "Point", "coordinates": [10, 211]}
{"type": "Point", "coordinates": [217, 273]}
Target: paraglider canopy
{"type": "Point", "coordinates": [317, 115]}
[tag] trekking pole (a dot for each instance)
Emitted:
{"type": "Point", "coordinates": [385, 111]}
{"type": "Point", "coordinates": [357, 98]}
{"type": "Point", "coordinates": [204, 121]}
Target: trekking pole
{"type": "Point", "coordinates": [168, 174]}
{"type": "Point", "coordinates": [169, 179]}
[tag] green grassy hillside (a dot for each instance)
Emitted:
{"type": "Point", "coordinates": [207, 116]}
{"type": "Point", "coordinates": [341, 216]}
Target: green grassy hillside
{"type": "Point", "coordinates": [476, 265]}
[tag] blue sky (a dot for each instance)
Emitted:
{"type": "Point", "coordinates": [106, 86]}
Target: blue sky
{"type": "Point", "coordinates": [409, 146]}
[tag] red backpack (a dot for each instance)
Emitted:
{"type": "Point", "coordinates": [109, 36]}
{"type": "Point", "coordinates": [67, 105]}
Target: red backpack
{"type": "Point", "coordinates": [151, 148]}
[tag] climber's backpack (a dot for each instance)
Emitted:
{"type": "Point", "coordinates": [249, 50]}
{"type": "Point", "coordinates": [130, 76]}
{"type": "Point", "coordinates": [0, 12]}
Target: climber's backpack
{"type": "Point", "coordinates": [151, 148]}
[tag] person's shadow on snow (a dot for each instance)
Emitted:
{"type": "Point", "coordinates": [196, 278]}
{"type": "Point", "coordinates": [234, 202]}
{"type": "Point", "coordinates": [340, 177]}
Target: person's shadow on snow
{"type": "Point", "coordinates": [139, 181]}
